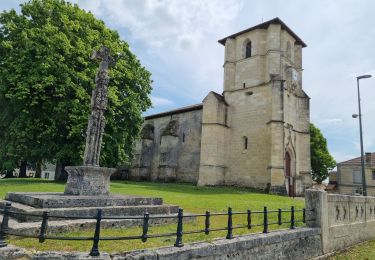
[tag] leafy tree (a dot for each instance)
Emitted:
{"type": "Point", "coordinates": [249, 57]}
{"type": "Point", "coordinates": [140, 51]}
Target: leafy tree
{"type": "Point", "coordinates": [46, 80]}
{"type": "Point", "coordinates": [321, 160]}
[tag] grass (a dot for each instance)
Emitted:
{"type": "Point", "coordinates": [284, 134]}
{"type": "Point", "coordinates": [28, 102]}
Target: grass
{"type": "Point", "coordinates": [363, 251]}
{"type": "Point", "coordinates": [193, 199]}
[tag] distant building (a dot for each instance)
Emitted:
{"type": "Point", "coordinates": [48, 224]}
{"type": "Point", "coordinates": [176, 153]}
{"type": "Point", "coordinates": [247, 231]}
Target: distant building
{"type": "Point", "coordinates": [332, 183]}
{"type": "Point", "coordinates": [349, 175]}
{"type": "Point", "coordinates": [48, 171]}
{"type": "Point", "coordinates": [254, 134]}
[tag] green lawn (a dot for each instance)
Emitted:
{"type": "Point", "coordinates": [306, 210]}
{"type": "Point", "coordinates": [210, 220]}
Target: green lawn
{"type": "Point", "coordinates": [193, 199]}
{"type": "Point", "coordinates": [364, 251]}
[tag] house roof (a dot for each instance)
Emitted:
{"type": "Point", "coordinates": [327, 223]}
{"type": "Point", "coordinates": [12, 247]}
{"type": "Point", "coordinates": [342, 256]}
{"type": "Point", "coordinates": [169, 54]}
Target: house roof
{"type": "Point", "coordinates": [265, 25]}
{"type": "Point", "coordinates": [357, 160]}
{"type": "Point", "coordinates": [176, 111]}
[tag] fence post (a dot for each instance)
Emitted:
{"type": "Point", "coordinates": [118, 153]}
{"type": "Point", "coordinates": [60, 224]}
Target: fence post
{"type": "Point", "coordinates": [146, 217]}
{"type": "Point", "coordinates": [207, 223]}
{"type": "Point", "coordinates": [292, 221]}
{"type": "Point", "coordinates": [95, 247]}
{"type": "Point", "coordinates": [265, 220]}
{"type": "Point", "coordinates": [179, 233]}
{"type": "Point", "coordinates": [230, 224]}
{"type": "Point", "coordinates": [248, 219]}
{"type": "Point", "coordinates": [43, 228]}
{"type": "Point", "coordinates": [304, 215]}
{"type": "Point", "coordinates": [4, 225]}
{"type": "Point", "coordinates": [279, 217]}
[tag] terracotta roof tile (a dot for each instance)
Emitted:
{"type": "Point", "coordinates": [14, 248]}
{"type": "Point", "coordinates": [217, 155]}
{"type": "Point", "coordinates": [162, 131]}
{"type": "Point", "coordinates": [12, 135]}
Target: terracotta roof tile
{"type": "Point", "coordinates": [357, 160]}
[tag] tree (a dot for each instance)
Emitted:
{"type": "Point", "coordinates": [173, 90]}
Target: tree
{"type": "Point", "coordinates": [46, 79]}
{"type": "Point", "coordinates": [321, 160]}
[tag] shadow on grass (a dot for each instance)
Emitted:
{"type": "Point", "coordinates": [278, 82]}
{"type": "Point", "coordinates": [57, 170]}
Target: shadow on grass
{"type": "Point", "coordinates": [187, 188]}
{"type": "Point", "coordinates": [27, 181]}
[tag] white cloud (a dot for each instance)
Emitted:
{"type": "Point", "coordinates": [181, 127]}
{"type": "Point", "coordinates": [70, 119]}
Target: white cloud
{"type": "Point", "coordinates": [177, 41]}
{"type": "Point", "coordinates": [160, 23]}
{"type": "Point", "coordinates": [331, 121]}
{"type": "Point", "coordinates": [160, 101]}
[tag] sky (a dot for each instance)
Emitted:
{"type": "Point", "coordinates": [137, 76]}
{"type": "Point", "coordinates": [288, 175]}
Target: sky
{"type": "Point", "coordinates": [176, 41]}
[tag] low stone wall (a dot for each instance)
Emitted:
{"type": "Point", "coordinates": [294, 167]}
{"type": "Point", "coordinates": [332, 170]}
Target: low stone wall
{"type": "Point", "coordinates": [301, 243]}
{"type": "Point", "coordinates": [344, 220]}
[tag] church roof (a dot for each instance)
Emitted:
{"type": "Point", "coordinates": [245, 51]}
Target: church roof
{"type": "Point", "coordinates": [265, 25]}
{"type": "Point", "coordinates": [176, 111]}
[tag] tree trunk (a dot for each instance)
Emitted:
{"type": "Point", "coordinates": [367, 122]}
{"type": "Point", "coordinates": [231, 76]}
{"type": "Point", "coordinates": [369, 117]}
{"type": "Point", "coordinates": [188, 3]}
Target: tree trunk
{"type": "Point", "coordinates": [60, 173]}
{"type": "Point", "coordinates": [23, 169]}
{"type": "Point", "coordinates": [38, 170]}
{"type": "Point", "coordinates": [9, 174]}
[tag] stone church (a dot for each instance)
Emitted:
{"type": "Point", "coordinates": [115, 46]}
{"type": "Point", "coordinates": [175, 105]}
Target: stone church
{"type": "Point", "coordinates": [254, 134]}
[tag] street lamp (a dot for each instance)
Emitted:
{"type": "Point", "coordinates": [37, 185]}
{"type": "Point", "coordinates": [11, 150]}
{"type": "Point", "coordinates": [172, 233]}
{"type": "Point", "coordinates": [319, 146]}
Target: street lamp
{"type": "Point", "coordinates": [364, 192]}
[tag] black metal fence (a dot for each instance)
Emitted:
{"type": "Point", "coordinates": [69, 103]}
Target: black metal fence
{"type": "Point", "coordinates": [4, 230]}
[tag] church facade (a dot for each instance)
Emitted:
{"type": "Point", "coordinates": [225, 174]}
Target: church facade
{"type": "Point", "coordinates": [254, 134]}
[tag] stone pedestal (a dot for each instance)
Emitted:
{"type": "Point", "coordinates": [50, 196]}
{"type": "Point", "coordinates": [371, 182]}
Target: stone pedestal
{"type": "Point", "coordinates": [88, 180]}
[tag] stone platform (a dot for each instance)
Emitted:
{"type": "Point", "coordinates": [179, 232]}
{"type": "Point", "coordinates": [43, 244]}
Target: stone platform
{"type": "Point", "coordinates": [61, 200]}
{"type": "Point", "coordinates": [60, 204]}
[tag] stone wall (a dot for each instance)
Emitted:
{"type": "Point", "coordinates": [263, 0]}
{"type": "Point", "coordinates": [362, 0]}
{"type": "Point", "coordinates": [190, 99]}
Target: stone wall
{"type": "Point", "coordinates": [169, 147]}
{"type": "Point", "coordinates": [303, 243]}
{"type": "Point", "coordinates": [344, 220]}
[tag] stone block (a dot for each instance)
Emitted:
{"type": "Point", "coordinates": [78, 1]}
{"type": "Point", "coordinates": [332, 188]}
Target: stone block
{"type": "Point", "coordinates": [88, 180]}
{"type": "Point", "coordinates": [61, 200]}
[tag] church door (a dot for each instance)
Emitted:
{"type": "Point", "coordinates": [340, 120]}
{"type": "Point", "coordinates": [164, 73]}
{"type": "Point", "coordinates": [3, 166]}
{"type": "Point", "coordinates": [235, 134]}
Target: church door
{"type": "Point", "coordinates": [288, 175]}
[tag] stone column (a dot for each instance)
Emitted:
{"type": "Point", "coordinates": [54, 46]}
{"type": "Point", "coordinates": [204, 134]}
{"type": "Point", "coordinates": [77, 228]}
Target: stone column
{"type": "Point", "coordinates": [90, 179]}
{"type": "Point", "coordinates": [317, 200]}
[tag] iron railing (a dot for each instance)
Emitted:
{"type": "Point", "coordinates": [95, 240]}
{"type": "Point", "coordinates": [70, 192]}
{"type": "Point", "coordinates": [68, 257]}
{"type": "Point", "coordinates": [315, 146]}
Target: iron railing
{"type": "Point", "coordinates": [45, 216]}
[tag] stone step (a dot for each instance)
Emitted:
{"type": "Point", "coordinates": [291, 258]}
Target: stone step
{"type": "Point", "coordinates": [60, 200]}
{"type": "Point", "coordinates": [89, 211]}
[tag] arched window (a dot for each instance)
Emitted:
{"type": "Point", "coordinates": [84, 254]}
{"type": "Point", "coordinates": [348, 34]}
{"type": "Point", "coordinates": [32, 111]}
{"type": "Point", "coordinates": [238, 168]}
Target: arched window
{"type": "Point", "coordinates": [248, 49]}
{"type": "Point", "coordinates": [245, 142]}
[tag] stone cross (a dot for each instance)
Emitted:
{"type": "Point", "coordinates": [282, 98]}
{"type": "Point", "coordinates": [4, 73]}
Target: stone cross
{"type": "Point", "coordinates": [99, 100]}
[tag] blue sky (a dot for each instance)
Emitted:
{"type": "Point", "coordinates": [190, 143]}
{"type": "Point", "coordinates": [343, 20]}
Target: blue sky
{"type": "Point", "coordinates": [177, 41]}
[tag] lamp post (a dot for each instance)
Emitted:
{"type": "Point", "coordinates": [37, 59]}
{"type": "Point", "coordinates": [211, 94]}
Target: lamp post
{"type": "Point", "coordinates": [364, 189]}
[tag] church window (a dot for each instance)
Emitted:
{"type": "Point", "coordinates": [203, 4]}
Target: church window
{"type": "Point", "coordinates": [245, 142]}
{"type": "Point", "coordinates": [357, 176]}
{"type": "Point", "coordinates": [248, 49]}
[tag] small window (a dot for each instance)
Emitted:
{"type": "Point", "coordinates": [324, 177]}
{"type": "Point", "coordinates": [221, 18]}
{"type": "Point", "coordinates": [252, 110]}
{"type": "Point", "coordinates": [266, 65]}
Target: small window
{"type": "Point", "coordinates": [357, 190]}
{"type": "Point", "coordinates": [357, 177]}
{"type": "Point", "coordinates": [248, 50]}
{"type": "Point", "coordinates": [244, 85]}
{"type": "Point", "coordinates": [245, 142]}
{"type": "Point", "coordinates": [183, 137]}
{"type": "Point", "coordinates": [373, 174]}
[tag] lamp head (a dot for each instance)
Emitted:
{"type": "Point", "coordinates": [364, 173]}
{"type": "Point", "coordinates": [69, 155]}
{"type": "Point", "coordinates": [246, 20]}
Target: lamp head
{"type": "Point", "coordinates": [355, 115]}
{"type": "Point", "coordinates": [364, 77]}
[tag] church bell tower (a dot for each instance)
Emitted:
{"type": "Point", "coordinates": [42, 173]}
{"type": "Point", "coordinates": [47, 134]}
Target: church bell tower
{"type": "Point", "coordinates": [257, 132]}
